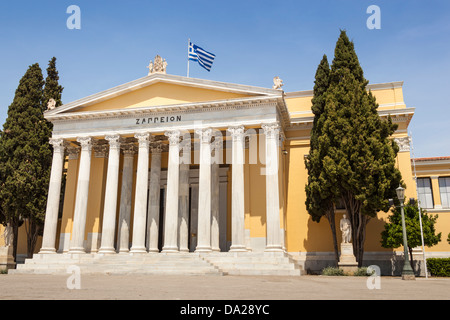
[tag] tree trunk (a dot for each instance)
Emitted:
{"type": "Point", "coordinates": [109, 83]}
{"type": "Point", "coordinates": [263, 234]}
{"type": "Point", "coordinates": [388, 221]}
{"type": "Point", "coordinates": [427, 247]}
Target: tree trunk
{"type": "Point", "coordinates": [32, 236]}
{"type": "Point", "coordinates": [411, 260]}
{"type": "Point", "coordinates": [330, 215]}
{"type": "Point", "coordinates": [359, 222]}
{"type": "Point", "coordinates": [15, 228]}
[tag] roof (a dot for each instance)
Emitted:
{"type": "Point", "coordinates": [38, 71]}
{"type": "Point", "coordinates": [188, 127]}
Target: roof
{"type": "Point", "coordinates": [432, 159]}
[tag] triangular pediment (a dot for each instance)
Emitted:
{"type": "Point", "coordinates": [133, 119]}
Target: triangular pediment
{"type": "Point", "coordinates": [158, 90]}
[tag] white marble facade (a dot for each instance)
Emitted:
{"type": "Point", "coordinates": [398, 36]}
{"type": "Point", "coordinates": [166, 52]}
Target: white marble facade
{"type": "Point", "coordinates": [200, 183]}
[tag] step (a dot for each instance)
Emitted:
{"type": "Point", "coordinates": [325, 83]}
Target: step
{"type": "Point", "coordinates": [241, 263]}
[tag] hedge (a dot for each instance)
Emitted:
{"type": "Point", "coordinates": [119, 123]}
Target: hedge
{"type": "Point", "coordinates": [439, 267]}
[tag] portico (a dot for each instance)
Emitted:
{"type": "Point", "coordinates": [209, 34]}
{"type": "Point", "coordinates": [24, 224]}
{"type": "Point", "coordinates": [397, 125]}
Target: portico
{"type": "Point", "coordinates": [195, 154]}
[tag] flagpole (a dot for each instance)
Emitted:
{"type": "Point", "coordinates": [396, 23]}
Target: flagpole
{"type": "Point", "coordinates": [420, 211]}
{"type": "Point", "coordinates": [189, 42]}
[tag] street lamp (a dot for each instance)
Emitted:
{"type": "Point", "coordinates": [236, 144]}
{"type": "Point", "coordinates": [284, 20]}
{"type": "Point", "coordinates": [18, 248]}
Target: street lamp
{"type": "Point", "coordinates": [407, 272]}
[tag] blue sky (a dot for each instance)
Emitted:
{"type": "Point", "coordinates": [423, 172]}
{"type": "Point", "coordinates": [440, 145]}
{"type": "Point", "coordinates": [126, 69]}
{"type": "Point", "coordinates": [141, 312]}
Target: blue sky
{"type": "Point", "coordinates": [254, 40]}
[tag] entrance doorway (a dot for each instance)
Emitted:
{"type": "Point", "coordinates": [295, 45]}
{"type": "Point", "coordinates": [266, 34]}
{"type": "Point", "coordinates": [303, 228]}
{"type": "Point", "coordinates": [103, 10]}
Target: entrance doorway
{"type": "Point", "coordinates": [193, 209]}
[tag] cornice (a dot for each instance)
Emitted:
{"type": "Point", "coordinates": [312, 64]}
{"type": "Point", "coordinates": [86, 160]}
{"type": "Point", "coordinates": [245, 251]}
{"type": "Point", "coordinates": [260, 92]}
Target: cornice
{"type": "Point", "coordinates": [397, 115]}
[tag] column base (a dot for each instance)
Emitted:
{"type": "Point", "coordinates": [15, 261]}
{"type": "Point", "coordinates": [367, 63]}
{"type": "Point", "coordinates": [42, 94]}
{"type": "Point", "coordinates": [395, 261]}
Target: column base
{"type": "Point", "coordinates": [107, 251]}
{"type": "Point", "coordinates": [238, 248]}
{"type": "Point", "coordinates": [153, 250]}
{"type": "Point", "coordinates": [48, 251]}
{"type": "Point", "coordinates": [203, 249]}
{"type": "Point", "coordinates": [170, 250]}
{"type": "Point", "coordinates": [77, 250]}
{"type": "Point", "coordinates": [138, 250]}
{"type": "Point", "coordinates": [274, 248]}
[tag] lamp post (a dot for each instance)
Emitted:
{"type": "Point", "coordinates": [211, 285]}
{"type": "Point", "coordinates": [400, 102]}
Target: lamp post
{"type": "Point", "coordinates": [407, 272]}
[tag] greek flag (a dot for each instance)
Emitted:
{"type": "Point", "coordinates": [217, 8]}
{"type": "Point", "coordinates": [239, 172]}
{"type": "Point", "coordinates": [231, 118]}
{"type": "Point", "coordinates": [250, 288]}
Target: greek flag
{"type": "Point", "coordinates": [204, 58]}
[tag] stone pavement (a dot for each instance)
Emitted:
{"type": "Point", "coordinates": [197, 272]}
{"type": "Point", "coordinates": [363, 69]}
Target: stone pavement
{"type": "Point", "coordinates": [176, 287]}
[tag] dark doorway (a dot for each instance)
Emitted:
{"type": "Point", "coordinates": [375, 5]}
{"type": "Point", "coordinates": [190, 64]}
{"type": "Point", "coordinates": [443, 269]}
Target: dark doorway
{"type": "Point", "coordinates": [162, 203]}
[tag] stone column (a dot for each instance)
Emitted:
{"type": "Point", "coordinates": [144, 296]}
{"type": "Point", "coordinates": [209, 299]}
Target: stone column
{"type": "Point", "coordinates": [204, 192]}
{"type": "Point", "coordinates": [237, 189]}
{"type": "Point", "coordinates": [154, 196]}
{"type": "Point", "coordinates": [81, 201]}
{"type": "Point", "coordinates": [54, 192]}
{"type": "Point", "coordinates": [171, 216]}
{"type": "Point", "coordinates": [273, 240]}
{"type": "Point", "coordinates": [215, 195]}
{"type": "Point", "coordinates": [112, 186]}
{"type": "Point", "coordinates": [140, 200]}
{"type": "Point", "coordinates": [183, 208]}
{"type": "Point", "coordinates": [123, 234]}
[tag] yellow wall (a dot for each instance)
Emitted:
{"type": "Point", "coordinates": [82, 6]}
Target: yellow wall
{"type": "Point", "coordinates": [388, 97]}
{"type": "Point", "coordinates": [161, 94]}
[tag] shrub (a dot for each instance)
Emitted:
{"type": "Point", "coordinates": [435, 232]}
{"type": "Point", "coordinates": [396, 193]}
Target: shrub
{"type": "Point", "coordinates": [362, 272]}
{"type": "Point", "coordinates": [439, 267]}
{"type": "Point", "coordinates": [332, 271]}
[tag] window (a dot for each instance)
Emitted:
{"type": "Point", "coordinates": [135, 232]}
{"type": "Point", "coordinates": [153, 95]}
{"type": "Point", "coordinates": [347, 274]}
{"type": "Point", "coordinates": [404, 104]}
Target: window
{"type": "Point", "coordinates": [444, 190]}
{"type": "Point", "coordinates": [425, 193]}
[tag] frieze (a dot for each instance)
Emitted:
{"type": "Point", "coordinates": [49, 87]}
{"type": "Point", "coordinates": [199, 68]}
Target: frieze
{"type": "Point", "coordinates": [161, 119]}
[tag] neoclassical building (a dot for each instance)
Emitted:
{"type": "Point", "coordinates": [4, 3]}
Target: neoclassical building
{"type": "Point", "coordinates": [168, 165]}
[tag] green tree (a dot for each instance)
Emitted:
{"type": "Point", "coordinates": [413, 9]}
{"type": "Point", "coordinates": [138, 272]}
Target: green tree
{"type": "Point", "coordinates": [52, 89]}
{"type": "Point", "coordinates": [392, 235]}
{"type": "Point", "coordinates": [360, 156]}
{"type": "Point", "coordinates": [321, 193]}
{"type": "Point", "coordinates": [25, 154]}
{"type": "Point", "coordinates": [19, 143]}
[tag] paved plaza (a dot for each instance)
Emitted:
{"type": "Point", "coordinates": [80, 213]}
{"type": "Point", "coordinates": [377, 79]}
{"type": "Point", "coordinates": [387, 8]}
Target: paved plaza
{"type": "Point", "coordinates": [176, 287]}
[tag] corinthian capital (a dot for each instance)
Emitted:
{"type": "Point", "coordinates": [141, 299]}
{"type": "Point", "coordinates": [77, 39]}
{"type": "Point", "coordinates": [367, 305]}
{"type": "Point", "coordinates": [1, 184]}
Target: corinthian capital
{"type": "Point", "coordinates": [86, 143]}
{"type": "Point", "coordinates": [204, 135]}
{"type": "Point", "coordinates": [174, 137]}
{"type": "Point", "coordinates": [58, 145]}
{"type": "Point", "coordinates": [403, 143]}
{"type": "Point", "coordinates": [237, 132]}
{"type": "Point", "coordinates": [114, 141]}
{"type": "Point", "coordinates": [271, 130]}
{"type": "Point", "coordinates": [143, 139]}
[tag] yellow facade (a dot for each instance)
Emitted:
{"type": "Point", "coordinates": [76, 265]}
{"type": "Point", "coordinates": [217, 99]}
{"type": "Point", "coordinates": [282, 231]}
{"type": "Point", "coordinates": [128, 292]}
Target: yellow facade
{"type": "Point", "coordinates": [301, 234]}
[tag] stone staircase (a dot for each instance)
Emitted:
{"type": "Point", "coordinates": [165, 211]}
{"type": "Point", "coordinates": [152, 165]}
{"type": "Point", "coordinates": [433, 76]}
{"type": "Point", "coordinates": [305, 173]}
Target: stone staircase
{"type": "Point", "coordinates": [220, 263]}
{"type": "Point", "coordinates": [254, 263]}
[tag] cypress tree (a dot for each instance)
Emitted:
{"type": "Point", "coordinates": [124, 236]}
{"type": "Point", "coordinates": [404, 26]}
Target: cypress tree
{"type": "Point", "coordinates": [321, 192]}
{"type": "Point", "coordinates": [19, 148]}
{"type": "Point", "coordinates": [52, 89]}
{"type": "Point", "coordinates": [360, 157]}
{"type": "Point", "coordinates": [25, 156]}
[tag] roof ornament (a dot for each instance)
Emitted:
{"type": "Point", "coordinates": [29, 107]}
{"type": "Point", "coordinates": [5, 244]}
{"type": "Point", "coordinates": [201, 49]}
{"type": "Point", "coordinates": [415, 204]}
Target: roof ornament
{"type": "Point", "coordinates": [51, 104]}
{"type": "Point", "coordinates": [158, 66]}
{"type": "Point", "coordinates": [277, 83]}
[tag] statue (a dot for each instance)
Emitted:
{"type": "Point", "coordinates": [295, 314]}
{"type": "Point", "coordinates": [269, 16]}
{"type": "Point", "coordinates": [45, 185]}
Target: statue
{"type": "Point", "coordinates": [51, 104]}
{"type": "Point", "coordinates": [157, 66]}
{"type": "Point", "coordinates": [347, 261]}
{"type": "Point", "coordinates": [346, 229]}
{"type": "Point", "coordinates": [8, 236]}
{"type": "Point", "coordinates": [277, 83]}
{"type": "Point", "coordinates": [150, 68]}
